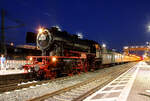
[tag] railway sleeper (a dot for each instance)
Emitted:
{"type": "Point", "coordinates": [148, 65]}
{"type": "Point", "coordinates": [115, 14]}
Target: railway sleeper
{"type": "Point", "coordinates": [73, 93]}
{"type": "Point", "coordinates": [60, 98]}
{"type": "Point", "coordinates": [77, 91]}
{"type": "Point", "coordinates": [66, 98]}
{"type": "Point", "coordinates": [65, 95]}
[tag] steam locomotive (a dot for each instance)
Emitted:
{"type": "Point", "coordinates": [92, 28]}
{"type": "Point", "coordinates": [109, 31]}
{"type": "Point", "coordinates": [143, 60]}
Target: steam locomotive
{"type": "Point", "coordinates": [67, 54]}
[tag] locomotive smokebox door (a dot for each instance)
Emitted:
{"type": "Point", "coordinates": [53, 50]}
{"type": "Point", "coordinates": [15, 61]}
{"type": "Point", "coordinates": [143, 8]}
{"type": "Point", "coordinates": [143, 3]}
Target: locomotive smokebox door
{"type": "Point", "coordinates": [44, 39]}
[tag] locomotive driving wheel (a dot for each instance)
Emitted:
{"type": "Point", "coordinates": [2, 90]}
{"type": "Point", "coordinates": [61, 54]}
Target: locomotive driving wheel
{"type": "Point", "coordinates": [70, 71]}
{"type": "Point", "coordinates": [85, 67]}
{"type": "Point", "coordinates": [53, 75]}
{"type": "Point", "coordinates": [40, 74]}
{"type": "Point", "coordinates": [50, 74]}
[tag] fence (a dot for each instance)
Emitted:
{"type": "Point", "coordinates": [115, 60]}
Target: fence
{"type": "Point", "coordinates": [15, 64]}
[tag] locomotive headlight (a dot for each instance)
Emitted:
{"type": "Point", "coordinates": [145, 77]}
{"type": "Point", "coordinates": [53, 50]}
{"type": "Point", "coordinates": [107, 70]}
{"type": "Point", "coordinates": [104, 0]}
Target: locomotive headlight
{"type": "Point", "coordinates": [31, 58]}
{"type": "Point", "coordinates": [40, 30]}
{"type": "Point", "coordinates": [54, 59]}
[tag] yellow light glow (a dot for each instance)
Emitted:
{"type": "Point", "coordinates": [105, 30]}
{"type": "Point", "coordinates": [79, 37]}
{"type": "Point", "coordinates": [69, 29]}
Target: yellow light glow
{"type": "Point", "coordinates": [12, 44]}
{"type": "Point", "coordinates": [30, 58]}
{"type": "Point", "coordinates": [54, 59]}
{"type": "Point", "coordinates": [40, 30]}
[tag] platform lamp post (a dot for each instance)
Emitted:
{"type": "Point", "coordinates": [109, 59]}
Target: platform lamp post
{"type": "Point", "coordinates": [147, 48]}
{"type": "Point", "coordinates": [148, 28]}
{"type": "Point", "coordinates": [3, 47]}
{"type": "Point", "coordinates": [104, 48]}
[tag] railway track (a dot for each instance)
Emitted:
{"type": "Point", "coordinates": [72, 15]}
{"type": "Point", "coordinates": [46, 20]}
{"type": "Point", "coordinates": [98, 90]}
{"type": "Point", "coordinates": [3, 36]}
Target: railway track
{"type": "Point", "coordinates": [27, 84]}
{"type": "Point", "coordinates": [79, 91]}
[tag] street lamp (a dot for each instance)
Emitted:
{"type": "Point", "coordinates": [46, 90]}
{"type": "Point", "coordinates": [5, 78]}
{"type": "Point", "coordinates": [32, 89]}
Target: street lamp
{"type": "Point", "coordinates": [147, 43]}
{"type": "Point", "coordinates": [104, 48]}
{"type": "Point", "coordinates": [113, 50]}
{"type": "Point", "coordinates": [103, 45]}
{"type": "Point", "coordinates": [125, 47]}
{"type": "Point", "coordinates": [80, 35]}
{"type": "Point", "coordinates": [148, 28]}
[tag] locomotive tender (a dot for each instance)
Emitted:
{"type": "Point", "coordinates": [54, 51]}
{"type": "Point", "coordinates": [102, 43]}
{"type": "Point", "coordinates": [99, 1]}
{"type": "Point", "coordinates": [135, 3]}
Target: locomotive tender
{"type": "Point", "coordinates": [66, 54]}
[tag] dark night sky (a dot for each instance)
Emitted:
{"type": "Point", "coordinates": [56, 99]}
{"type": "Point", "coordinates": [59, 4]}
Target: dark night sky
{"type": "Point", "coordinates": [114, 22]}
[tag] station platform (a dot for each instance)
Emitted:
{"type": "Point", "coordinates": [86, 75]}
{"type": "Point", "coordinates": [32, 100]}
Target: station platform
{"type": "Point", "coordinates": [133, 85]}
{"type": "Point", "coordinates": [9, 72]}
